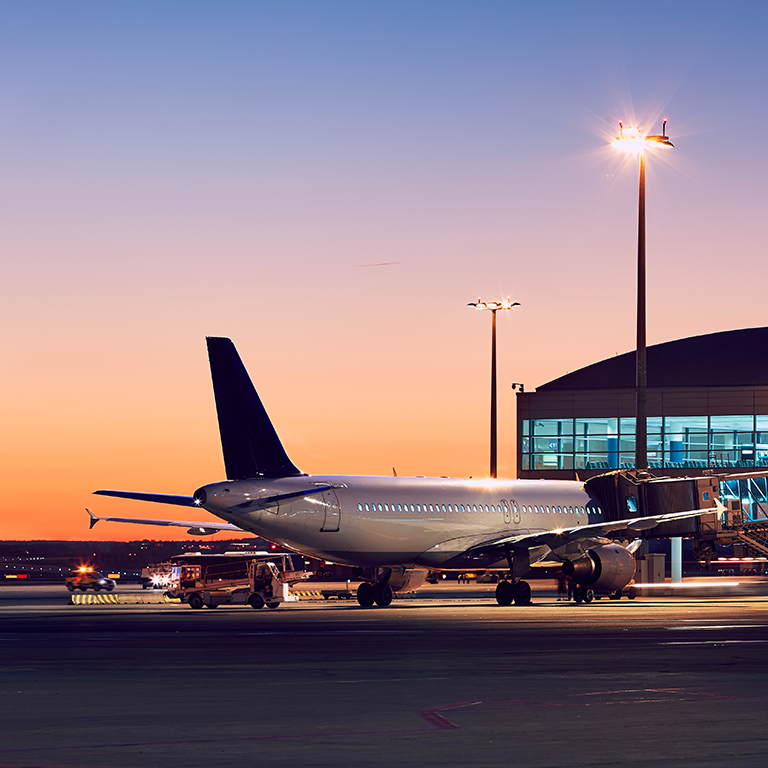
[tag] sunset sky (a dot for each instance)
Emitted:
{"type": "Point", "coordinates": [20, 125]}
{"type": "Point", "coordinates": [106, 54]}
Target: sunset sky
{"type": "Point", "coordinates": [328, 184]}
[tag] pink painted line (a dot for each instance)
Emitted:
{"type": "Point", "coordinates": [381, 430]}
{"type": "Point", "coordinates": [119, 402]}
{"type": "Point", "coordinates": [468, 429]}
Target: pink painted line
{"type": "Point", "coordinates": [433, 716]}
{"type": "Point", "coordinates": [606, 698]}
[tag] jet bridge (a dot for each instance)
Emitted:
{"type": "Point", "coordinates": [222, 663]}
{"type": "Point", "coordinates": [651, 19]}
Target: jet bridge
{"type": "Point", "coordinates": [626, 493]}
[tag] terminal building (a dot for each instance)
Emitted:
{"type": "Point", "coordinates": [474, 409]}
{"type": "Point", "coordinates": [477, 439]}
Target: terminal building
{"type": "Point", "coordinates": [707, 414]}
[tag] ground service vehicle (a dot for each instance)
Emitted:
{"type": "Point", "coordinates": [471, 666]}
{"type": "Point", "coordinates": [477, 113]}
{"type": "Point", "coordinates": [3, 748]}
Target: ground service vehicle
{"type": "Point", "coordinates": [236, 581]}
{"type": "Point", "coordinates": [156, 576]}
{"type": "Point", "coordinates": [85, 577]}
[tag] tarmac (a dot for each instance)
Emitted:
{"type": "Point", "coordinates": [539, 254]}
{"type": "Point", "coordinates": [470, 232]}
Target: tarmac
{"type": "Point", "coordinates": [442, 677]}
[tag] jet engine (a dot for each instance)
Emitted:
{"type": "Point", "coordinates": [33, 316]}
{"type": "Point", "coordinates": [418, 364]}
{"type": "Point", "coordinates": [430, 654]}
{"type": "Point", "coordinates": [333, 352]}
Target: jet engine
{"type": "Point", "coordinates": [607, 568]}
{"type": "Point", "coordinates": [407, 580]}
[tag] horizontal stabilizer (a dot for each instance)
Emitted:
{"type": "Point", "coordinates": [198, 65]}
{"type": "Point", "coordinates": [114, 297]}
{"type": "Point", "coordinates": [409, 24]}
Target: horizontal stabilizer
{"type": "Point", "coordinates": [158, 498]}
{"type": "Point", "coordinates": [263, 502]}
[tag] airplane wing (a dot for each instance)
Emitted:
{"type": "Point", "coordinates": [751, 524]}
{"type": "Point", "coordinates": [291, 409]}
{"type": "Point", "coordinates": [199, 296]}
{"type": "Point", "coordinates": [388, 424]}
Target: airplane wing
{"type": "Point", "coordinates": [558, 537]}
{"type": "Point", "coordinates": [195, 529]}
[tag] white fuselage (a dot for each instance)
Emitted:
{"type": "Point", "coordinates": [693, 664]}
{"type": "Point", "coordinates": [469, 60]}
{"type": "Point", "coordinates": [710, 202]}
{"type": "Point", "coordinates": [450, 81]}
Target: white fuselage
{"type": "Point", "coordinates": [406, 521]}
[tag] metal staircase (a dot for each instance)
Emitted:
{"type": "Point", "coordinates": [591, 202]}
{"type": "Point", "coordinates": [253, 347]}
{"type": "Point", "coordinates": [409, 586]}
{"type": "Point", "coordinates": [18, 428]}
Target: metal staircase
{"type": "Point", "coordinates": [756, 539]}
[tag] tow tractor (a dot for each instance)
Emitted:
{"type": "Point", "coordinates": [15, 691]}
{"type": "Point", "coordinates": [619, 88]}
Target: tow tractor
{"type": "Point", "coordinates": [240, 581]}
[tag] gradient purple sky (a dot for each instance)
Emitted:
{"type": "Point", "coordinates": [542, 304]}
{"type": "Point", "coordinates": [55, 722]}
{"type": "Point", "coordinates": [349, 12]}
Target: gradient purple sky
{"type": "Point", "coordinates": [172, 170]}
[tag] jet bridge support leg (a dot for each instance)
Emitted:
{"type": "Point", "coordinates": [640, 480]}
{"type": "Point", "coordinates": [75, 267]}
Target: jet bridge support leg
{"type": "Point", "coordinates": [516, 591]}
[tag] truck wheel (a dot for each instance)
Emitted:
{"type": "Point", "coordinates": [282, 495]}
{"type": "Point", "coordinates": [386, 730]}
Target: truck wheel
{"type": "Point", "coordinates": [256, 601]}
{"type": "Point", "coordinates": [273, 605]}
{"type": "Point", "coordinates": [71, 587]}
{"type": "Point", "coordinates": [195, 601]}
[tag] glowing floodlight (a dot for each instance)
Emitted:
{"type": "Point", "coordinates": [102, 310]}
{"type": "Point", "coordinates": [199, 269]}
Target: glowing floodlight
{"type": "Point", "coordinates": [632, 140]}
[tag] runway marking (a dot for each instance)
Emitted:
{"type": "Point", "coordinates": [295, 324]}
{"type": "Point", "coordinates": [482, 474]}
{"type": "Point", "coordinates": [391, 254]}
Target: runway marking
{"type": "Point", "coordinates": [433, 716]}
{"type": "Point", "coordinates": [723, 626]}
{"type": "Point", "coordinates": [609, 698]}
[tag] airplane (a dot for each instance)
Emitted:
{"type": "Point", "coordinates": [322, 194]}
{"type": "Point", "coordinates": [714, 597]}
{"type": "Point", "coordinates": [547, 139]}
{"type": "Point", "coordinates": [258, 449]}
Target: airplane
{"type": "Point", "coordinates": [394, 530]}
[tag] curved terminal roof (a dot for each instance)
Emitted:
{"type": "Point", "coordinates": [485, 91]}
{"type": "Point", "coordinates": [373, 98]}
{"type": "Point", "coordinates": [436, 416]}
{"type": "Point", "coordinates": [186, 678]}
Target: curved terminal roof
{"type": "Point", "coordinates": [725, 359]}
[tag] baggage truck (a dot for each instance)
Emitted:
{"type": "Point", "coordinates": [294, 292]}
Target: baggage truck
{"type": "Point", "coordinates": [236, 581]}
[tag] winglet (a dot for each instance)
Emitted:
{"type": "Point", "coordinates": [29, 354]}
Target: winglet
{"type": "Point", "coordinates": [93, 517]}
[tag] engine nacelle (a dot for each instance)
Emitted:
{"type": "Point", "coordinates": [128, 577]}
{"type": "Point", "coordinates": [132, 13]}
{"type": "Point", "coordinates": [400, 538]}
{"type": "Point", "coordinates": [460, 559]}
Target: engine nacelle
{"type": "Point", "coordinates": [607, 568]}
{"type": "Point", "coordinates": [407, 580]}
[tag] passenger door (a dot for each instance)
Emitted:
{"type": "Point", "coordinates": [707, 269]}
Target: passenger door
{"type": "Point", "coordinates": [332, 516]}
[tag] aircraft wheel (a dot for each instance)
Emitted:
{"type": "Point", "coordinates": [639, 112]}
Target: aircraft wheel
{"type": "Point", "coordinates": [366, 594]}
{"type": "Point", "coordinates": [256, 601]}
{"type": "Point", "coordinates": [383, 595]}
{"type": "Point", "coordinates": [505, 593]}
{"type": "Point", "coordinates": [195, 601]}
{"type": "Point", "coordinates": [273, 606]}
{"type": "Point", "coordinates": [578, 594]}
{"type": "Point", "coordinates": [615, 595]}
{"type": "Point", "coordinates": [584, 595]}
{"type": "Point", "coordinates": [522, 593]}
{"type": "Point", "coordinates": [632, 593]}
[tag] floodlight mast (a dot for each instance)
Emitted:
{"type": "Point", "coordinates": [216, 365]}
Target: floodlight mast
{"type": "Point", "coordinates": [493, 307]}
{"type": "Point", "coordinates": [632, 140]}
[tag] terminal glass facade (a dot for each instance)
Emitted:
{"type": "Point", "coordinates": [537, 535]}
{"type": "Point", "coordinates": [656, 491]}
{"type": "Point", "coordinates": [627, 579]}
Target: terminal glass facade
{"type": "Point", "coordinates": [752, 493]}
{"type": "Point", "coordinates": [694, 442]}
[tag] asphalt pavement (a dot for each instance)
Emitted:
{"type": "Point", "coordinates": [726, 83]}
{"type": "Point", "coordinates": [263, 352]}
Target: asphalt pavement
{"type": "Point", "coordinates": [445, 677]}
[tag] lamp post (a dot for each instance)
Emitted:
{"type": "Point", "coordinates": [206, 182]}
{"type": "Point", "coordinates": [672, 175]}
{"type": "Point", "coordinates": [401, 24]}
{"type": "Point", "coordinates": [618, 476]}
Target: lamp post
{"type": "Point", "coordinates": [632, 140]}
{"type": "Point", "coordinates": [493, 307]}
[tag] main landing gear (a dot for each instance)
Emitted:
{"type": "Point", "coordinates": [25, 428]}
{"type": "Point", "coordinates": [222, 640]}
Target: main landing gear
{"type": "Point", "coordinates": [518, 593]}
{"type": "Point", "coordinates": [368, 594]}
{"type": "Point", "coordinates": [583, 595]}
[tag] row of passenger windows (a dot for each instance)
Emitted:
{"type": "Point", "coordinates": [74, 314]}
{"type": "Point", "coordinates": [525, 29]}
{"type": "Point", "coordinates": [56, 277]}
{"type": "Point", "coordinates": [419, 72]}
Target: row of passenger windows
{"type": "Point", "coordinates": [535, 509]}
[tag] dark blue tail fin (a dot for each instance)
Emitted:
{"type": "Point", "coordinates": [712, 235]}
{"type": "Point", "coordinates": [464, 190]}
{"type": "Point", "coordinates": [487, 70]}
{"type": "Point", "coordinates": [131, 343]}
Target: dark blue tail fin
{"type": "Point", "coordinates": [249, 441]}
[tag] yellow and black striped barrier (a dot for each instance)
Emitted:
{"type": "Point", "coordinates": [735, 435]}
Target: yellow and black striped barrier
{"type": "Point", "coordinates": [95, 599]}
{"type": "Point", "coordinates": [122, 599]}
{"type": "Point", "coordinates": [314, 594]}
